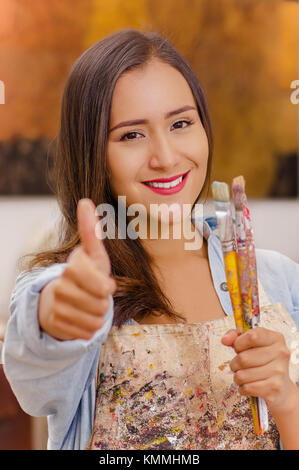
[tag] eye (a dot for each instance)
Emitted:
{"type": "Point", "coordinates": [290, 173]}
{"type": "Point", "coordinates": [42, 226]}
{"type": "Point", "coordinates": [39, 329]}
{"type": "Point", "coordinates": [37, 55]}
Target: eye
{"type": "Point", "coordinates": [189, 123]}
{"type": "Point", "coordinates": [127, 136]}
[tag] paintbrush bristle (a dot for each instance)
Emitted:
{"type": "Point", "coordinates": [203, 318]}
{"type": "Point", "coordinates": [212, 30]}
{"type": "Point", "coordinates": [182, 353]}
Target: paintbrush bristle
{"type": "Point", "coordinates": [239, 180]}
{"type": "Point", "coordinates": [220, 191]}
{"type": "Point", "coordinates": [238, 192]}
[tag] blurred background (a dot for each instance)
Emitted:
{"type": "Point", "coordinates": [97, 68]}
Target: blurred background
{"type": "Point", "coordinates": [245, 53]}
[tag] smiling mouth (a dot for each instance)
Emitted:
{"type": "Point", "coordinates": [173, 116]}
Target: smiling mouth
{"type": "Point", "coordinates": [166, 183]}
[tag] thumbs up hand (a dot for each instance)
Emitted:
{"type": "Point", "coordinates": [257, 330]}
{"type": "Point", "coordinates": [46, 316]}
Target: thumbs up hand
{"type": "Point", "coordinates": [79, 299]}
{"type": "Point", "coordinates": [92, 246]}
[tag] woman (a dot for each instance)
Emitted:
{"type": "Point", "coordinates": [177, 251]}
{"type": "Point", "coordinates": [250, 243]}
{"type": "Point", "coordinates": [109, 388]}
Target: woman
{"type": "Point", "coordinates": [133, 114]}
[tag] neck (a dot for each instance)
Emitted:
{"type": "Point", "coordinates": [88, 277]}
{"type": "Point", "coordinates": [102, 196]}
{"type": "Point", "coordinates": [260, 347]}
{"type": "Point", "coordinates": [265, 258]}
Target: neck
{"type": "Point", "coordinates": [176, 247]}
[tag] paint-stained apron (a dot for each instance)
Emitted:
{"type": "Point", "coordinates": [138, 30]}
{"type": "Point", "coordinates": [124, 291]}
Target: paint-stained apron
{"type": "Point", "coordinates": [169, 386]}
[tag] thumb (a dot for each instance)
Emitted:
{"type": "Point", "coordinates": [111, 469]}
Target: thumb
{"type": "Point", "coordinates": [229, 338]}
{"type": "Point", "coordinates": [92, 245]}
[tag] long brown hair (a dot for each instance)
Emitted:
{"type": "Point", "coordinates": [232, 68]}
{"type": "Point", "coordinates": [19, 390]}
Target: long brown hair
{"type": "Point", "coordinates": [81, 169]}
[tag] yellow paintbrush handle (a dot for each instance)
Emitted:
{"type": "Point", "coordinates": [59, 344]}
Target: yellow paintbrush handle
{"type": "Point", "coordinates": [255, 415]}
{"type": "Point", "coordinates": [231, 272]}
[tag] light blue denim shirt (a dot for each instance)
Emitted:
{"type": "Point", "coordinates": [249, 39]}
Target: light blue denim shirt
{"type": "Point", "coordinates": [56, 378]}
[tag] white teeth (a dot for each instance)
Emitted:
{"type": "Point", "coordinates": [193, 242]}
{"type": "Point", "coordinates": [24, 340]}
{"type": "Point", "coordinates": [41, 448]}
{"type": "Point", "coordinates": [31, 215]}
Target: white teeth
{"type": "Point", "coordinates": [167, 185]}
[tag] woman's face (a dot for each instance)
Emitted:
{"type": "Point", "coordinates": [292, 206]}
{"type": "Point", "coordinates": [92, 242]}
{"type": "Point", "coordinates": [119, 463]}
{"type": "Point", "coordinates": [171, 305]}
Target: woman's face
{"type": "Point", "coordinates": [167, 141]}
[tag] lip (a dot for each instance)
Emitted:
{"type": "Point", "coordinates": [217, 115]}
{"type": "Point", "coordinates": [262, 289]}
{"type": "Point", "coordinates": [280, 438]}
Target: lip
{"type": "Point", "coordinates": [167, 191]}
{"type": "Point", "coordinates": [165, 180]}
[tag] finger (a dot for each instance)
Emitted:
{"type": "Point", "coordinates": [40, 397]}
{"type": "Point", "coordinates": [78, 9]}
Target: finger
{"type": "Point", "coordinates": [88, 222]}
{"type": "Point", "coordinates": [255, 338]}
{"type": "Point", "coordinates": [81, 299]}
{"type": "Point", "coordinates": [274, 390]}
{"type": "Point", "coordinates": [254, 357]}
{"type": "Point", "coordinates": [253, 374]}
{"type": "Point", "coordinates": [72, 317]}
{"type": "Point", "coordinates": [258, 388]}
{"type": "Point", "coordinates": [71, 332]}
{"type": "Point", "coordinates": [88, 277]}
{"type": "Point", "coordinates": [229, 338]}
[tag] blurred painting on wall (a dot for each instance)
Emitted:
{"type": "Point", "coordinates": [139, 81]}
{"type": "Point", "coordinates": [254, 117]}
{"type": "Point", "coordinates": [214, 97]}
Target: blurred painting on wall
{"type": "Point", "coordinates": [245, 53]}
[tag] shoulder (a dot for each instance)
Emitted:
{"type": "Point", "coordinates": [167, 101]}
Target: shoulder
{"type": "Point", "coordinates": [277, 263]}
{"type": "Point", "coordinates": [279, 276]}
{"type": "Point", "coordinates": [268, 261]}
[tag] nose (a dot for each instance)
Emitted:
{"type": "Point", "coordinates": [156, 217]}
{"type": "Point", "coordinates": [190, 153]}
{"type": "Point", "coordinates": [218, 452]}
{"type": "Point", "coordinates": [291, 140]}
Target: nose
{"type": "Point", "coordinates": [163, 154]}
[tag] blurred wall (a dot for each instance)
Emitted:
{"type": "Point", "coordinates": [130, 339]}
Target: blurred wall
{"type": "Point", "coordinates": [25, 222]}
{"type": "Point", "coordinates": [245, 54]}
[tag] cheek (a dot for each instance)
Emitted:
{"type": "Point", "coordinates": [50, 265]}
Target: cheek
{"type": "Point", "coordinates": [197, 147]}
{"type": "Point", "coordinates": [116, 164]}
{"type": "Point", "coordinates": [203, 146]}
{"type": "Point", "coordinates": [123, 174]}
{"type": "Point", "coordinates": [203, 156]}
{"type": "Point", "coordinates": [115, 171]}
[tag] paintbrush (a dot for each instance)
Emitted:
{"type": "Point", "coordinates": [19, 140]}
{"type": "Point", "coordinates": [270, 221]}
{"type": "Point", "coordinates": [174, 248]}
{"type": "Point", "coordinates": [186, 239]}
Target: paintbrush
{"type": "Point", "coordinates": [247, 272]}
{"type": "Point", "coordinates": [255, 307]}
{"type": "Point", "coordinates": [225, 224]}
{"type": "Point", "coordinates": [242, 249]}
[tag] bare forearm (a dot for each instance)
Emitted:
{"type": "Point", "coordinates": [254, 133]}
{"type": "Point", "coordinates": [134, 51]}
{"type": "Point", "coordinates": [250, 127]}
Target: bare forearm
{"type": "Point", "coordinates": [287, 421]}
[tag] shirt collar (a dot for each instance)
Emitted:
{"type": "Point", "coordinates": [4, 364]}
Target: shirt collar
{"type": "Point", "coordinates": [205, 225]}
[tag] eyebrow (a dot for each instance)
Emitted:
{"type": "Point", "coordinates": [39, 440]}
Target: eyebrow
{"type": "Point", "coordinates": [145, 121]}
